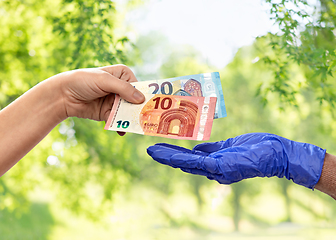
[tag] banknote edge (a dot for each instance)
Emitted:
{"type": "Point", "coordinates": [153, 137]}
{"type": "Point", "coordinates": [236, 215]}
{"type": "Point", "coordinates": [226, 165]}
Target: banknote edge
{"type": "Point", "coordinates": [116, 105]}
{"type": "Point", "coordinates": [211, 113]}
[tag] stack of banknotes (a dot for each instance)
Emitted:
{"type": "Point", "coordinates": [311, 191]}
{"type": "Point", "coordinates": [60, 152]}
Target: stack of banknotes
{"type": "Point", "coordinates": [180, 108]}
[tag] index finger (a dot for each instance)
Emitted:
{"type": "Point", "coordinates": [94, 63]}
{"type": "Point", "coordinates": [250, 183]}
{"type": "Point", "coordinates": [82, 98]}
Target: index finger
{"type": "Point", "coordinates": [120, 71]}
{"type": "Point", "coordinates": [116, 79]}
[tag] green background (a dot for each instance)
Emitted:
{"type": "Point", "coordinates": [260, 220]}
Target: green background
{"type": "Point", "coordinates": [82, 182]}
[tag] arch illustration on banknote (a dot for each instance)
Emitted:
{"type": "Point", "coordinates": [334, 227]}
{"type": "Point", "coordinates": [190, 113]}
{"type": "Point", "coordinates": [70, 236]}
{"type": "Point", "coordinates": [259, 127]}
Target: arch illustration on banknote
{"type": "Point", "coordinates": [179, 121]}
{"type": "Point", "coordinates": [170, 116]}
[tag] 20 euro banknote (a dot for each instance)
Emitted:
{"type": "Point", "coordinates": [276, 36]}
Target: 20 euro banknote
{"type": "Point", "coordinates": [198, 85]}
{"type": "Point", "coordinates": [171, 116]}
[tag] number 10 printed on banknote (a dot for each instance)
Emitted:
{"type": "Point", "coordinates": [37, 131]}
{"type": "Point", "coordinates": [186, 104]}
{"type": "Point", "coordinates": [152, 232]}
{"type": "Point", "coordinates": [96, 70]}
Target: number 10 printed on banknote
{"type": "Point", "coordinates": [180, 117]}
{"type": "Point", "coordinates": [198, 85]}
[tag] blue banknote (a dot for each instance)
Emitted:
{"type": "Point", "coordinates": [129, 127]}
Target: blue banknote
{"type": "Point", "coordinates": [198, 85]}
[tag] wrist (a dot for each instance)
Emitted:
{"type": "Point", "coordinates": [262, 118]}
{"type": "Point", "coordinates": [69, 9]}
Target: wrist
{"type": "Point", "coordinates": [53, 87]}
{"type": "Point", "coordinates": [327, 181]}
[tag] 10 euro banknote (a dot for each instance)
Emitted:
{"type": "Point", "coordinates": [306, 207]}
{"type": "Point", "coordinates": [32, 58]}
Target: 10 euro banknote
{"type": "Point", "coordinates": [198, 85]}
{"type": "Point", "coordinates": [171, 116]}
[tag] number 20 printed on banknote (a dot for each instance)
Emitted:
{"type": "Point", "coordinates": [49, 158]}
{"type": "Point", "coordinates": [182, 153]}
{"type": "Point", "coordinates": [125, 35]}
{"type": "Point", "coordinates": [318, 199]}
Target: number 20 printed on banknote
{"type": "Point", "coordinates": [198, 85]}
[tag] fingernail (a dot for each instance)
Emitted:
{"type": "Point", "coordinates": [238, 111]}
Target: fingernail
{"type": "Point", "coordinates": [138, 96]}
{"type": "Point", "coordinates": [121, 133]}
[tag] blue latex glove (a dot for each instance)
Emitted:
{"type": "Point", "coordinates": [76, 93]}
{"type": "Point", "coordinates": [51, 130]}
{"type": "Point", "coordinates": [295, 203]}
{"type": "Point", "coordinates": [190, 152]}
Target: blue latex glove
{"type": "Point", "coordinates": [246, 156]}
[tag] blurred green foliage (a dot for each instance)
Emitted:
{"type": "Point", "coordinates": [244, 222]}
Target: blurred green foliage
{"type": "Point", "coordinates": [107, 178]}
{"type": "Point", "coordinates": [39, 39]}
{"type": "Point", "coordinates": [306, 38]}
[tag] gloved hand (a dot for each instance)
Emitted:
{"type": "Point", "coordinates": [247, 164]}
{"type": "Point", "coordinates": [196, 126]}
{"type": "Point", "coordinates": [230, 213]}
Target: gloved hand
{"type": "Point", "coordinates": [246, 156]}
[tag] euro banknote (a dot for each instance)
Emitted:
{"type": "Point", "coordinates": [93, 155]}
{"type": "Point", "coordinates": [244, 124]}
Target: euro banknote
{"type": "Point", "coordinates": [198, 85]}
{"type": "Point", "coordinates": [171, 116]}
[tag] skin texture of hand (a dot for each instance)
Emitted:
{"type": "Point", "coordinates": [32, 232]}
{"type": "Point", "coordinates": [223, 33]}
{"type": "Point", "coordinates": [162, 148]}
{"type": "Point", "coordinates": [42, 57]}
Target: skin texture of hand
{"type": "Point", "coordinates": [327, 182]}
{"type": "Point", "coordinates": [83, 93]}
{"type": "Point", "coordinates": [246, 156]}
{"type": "Point", "coordinates": [91, 95]}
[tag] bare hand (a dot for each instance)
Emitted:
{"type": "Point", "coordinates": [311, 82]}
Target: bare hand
{"type": "Point", "coordinates": [89, 93]}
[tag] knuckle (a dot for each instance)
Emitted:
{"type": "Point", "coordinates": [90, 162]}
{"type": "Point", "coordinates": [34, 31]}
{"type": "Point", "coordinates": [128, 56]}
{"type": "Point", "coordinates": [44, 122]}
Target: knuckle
{"type": "Point", "coordinates": [125, 72]}
{"type": "Point", "coordinates": [123, 68]}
